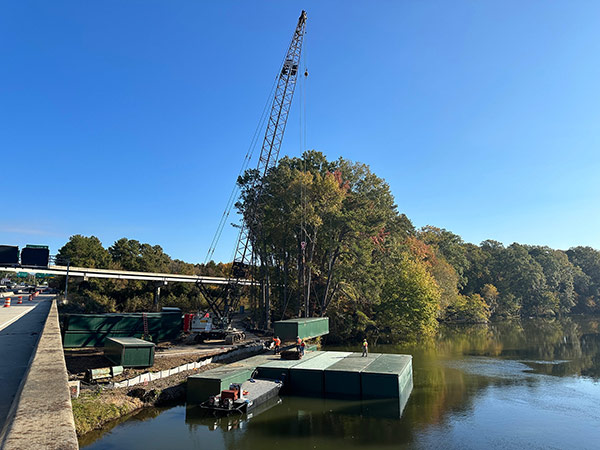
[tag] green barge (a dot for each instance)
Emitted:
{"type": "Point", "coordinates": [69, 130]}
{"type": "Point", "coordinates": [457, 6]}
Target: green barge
{"type": "Point", "coordinates": [319, 373]}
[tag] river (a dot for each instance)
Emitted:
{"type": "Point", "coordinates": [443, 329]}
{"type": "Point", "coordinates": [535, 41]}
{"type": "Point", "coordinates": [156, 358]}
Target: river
{"type": "Point", "coordinates": [533, 384]}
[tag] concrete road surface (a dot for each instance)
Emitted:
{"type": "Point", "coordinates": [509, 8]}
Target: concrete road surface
{"type": "Point", "coordinates": [20, 327]}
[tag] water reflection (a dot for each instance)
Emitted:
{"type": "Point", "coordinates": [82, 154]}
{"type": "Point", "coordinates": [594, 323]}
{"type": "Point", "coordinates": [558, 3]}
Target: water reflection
{"type": "Point", "coordinates": [198, 417]}
{"type": "Point", "coordinates": [532, 383]}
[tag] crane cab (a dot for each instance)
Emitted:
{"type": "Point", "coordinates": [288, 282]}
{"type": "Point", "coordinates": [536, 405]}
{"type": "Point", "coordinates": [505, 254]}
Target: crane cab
{"type": "Point", "coordinates": [289, 67]}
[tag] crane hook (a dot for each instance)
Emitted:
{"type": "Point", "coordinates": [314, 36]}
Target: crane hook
{"type": "Point", "coordinates": [305, 73]}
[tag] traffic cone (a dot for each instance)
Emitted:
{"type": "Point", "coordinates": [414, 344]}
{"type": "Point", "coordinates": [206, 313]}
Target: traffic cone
{"type": "Point", "coordinates": [7, 302]}
{"type": "Point", "coordinates": [20, 302]}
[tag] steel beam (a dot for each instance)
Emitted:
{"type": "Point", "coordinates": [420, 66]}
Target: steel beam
{"type": "Point", "coordinates": [123, 275]}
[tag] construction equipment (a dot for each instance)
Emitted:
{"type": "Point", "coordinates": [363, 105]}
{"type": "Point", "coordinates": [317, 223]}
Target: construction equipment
{"type": "Point", "coordinates": [224, 301]}
{"type": "Point", "coordinates": [206, 328]}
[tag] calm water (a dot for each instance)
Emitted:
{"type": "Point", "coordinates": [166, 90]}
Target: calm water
{"type": "Point", "coordinates": [533, 384]}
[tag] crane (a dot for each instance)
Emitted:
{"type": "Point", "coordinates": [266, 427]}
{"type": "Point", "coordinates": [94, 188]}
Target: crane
{"type": "Point", "coordinates": [223, 302]}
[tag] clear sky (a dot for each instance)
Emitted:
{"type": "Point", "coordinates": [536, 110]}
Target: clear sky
{"type": "Point", "coordinates": [132, 118]}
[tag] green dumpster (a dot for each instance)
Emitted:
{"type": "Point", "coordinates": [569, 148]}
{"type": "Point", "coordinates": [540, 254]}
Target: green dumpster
{"type": "Point", "coordinates": [129, 352]}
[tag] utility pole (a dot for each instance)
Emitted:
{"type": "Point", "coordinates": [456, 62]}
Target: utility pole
{"type": "Point", "coordinates": [157, 287]}
{"type": "Point", "coordinates": [67, 281]}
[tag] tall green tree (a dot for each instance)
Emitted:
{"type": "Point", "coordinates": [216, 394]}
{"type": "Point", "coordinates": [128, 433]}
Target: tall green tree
{"type": "Point", "coordinates": [409, 300]}
{"type": "Point", "coordinates": [323, 229]}
{"type": "Point", "coordinates": [83, 251]}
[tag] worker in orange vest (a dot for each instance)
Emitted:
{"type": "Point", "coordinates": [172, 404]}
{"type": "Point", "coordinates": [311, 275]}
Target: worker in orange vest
{"type": "Point", "coordinates": [365, 346]}
{"type": "Point", "coordinates": [298, 343]}
{"type": "Point", "coordinates": [277, 342]}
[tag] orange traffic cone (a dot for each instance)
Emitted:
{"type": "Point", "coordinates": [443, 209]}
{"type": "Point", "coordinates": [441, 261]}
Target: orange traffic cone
{"type": "Point", "coordinates": [20, 302]}
{"type": "Point", "coordinates": [7, 302]}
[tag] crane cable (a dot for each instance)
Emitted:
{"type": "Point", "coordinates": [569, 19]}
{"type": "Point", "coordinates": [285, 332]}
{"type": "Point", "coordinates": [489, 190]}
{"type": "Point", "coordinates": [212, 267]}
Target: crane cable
{"type": "Point", "coordinates": [234, 192]}
{"type": "Point", "coordinates": [246, 162]}
{"type": "Point", "coordinates": [303, 199]}
{"type": "Point", "coordinates": [303, 193]}
{"type": "Point", "coordinates": [302, 129]}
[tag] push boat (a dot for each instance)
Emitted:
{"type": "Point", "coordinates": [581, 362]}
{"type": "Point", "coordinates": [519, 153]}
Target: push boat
{"type": "Point", "coordinates": [243, 397]}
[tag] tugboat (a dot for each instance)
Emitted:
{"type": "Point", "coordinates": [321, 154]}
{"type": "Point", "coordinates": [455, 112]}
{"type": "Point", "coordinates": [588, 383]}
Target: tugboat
{"type": "Point", "coordinates": [243, 398]}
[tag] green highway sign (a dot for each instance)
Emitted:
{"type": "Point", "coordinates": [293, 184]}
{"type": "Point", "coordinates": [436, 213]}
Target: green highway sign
{"type": "Point", "coordinates": [22, 274]}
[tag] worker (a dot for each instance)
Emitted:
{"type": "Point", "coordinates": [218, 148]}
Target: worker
{"type": "Point", "coordinates": [277, 342]}
{"type": "Point", "coordinates": [298, 343]}
{"type": "Point", "coordinates": [365, 347]}
{"type": "Point", "coordinates": [302, 345]}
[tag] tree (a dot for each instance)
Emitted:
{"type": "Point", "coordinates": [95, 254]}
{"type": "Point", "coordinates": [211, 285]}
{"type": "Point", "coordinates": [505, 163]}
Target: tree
{"type": "Point", "coordinates": [444, 274]}
{"type": "Point", "coordinates": [325, 230]}
{"type": "Point", "coordinates": [586, 277]}
{"type": "Point", "coordinates": [468, 309]}
{"type": "Point", "coordinates": [83, 251]}
{"type": "Point", "coordinates": [101, 295]}
{"type": "Point", "coordinates": [409, 300]}
{"type": "Point", "coordinates": [558, 272]}
{"type": "Point", "coordinates": [320, 220]}
{"type": "Point", "coordinates": [519, 275]}
{"type": "Point", "coordinates": [478, 272]}
{"type": "Point", "coordinates": [450, 246]}
{"type": "Point", "coordinates": [489, 293]}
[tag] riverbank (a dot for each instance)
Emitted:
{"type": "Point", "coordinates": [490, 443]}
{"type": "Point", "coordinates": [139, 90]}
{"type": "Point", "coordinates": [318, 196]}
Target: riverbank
{"type": "Point", "coordinates": [96, 408]}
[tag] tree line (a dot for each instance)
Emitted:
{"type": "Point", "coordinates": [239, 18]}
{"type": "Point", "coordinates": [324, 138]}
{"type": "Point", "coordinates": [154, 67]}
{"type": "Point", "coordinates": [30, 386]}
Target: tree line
{"type": "Point", "coordinates": [109, 295]}
{"type": "Point", "coordinates": [333, 242]}
{"type": "Point", "coordinates": [329, 238]}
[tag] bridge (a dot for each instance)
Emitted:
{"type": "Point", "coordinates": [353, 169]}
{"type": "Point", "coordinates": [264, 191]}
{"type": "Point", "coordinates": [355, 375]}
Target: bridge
{"type": "Point", "coordinates": [86, 272]}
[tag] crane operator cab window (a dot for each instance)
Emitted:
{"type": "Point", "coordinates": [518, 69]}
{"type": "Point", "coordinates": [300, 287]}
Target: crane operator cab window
{"type": "Point", "coordinates": [289, 66]}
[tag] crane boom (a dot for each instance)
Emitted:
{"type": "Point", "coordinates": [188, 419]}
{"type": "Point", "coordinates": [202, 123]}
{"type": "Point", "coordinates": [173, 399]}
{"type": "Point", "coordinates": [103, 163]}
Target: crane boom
{"type": "Point", "coordinates": [224, 302]}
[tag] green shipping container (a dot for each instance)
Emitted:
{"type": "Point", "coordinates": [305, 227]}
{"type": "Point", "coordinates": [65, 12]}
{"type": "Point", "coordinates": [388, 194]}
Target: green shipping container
{"type": "Point", "coordinates": [91, 330]}
{"type": "Point", "coordinates": [287, 330]}
{"type": "Point", "coordinates": [129, 352]}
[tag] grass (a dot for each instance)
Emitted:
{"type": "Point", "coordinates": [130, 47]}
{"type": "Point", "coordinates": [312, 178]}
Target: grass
{"type": "Point", "coordinates": [91, 411]}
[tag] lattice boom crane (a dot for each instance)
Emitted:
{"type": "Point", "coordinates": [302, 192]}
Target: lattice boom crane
{"type": "Point", "coordinates": [226, 300]}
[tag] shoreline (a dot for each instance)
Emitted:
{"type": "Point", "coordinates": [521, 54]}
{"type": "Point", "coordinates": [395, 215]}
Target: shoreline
{"type": "Point", "coordinates": [94, 409]}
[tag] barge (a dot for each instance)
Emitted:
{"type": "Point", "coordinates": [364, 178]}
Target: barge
{"type": "Point", "coordinates": [329, 374]}
{"type": "Point", "coordinates": [243, 397]}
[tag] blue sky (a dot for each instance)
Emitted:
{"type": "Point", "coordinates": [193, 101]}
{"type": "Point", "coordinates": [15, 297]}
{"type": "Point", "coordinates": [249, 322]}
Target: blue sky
{"type": "Point", "coordinates": [132, 118]}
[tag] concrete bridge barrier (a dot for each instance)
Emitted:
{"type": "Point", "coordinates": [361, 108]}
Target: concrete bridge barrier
{"type": "Point", "coordinates": [41, 416]}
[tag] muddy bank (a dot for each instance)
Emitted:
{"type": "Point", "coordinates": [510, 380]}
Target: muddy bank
{"type": "Point", "coordinates": [96, 408]}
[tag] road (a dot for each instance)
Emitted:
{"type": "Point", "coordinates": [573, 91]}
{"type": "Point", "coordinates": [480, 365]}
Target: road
{"type": "Point", "coordinates": [20, 327]}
